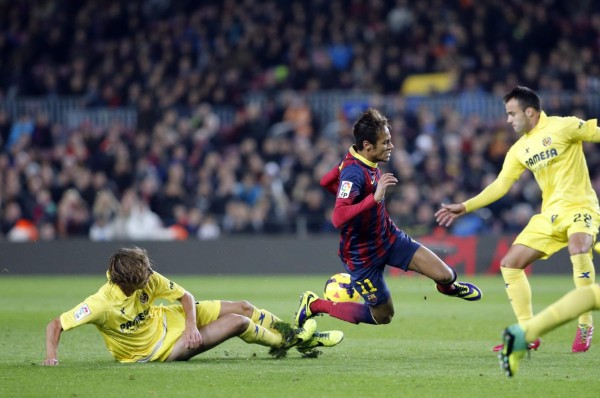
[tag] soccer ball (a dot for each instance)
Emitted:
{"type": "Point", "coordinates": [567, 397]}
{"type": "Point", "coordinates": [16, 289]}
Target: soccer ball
{"type": "Point", "coordinates": [338, 288]}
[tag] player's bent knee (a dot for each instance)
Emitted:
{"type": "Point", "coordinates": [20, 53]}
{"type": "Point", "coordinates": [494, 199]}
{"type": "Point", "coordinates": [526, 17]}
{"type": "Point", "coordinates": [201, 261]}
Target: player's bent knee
{"type": "Point", "coordinates": [384, 320]}
{"type": "Point", "coordinates": [239, 323]}
{"type": "Point", "coordinates": [231, 324]}
{"type": "Point", "coordinates": [246, 308]}
{"type": "Point", "coordinates": [576, 249]}
{"type": "Point", "coordinates": [445, 279]}
{"type": "Point", "coordinates": [506, 263]}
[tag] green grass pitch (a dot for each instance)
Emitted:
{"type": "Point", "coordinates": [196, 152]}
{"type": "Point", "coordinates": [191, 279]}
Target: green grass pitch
{"type": "Point", "coordinates": [435, 347]}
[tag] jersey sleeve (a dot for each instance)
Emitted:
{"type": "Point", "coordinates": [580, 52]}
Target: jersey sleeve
{"type": "Point", "coordinates": [511, 168]}
{"type": "Point", "coordinates": [583, 130]}
{"type": "Point", "coordinates": [596, 136]}
{"type": "Point", "coordinates": [511, 171]}
{"type": "Point", "coordinates": [352, 182]}
{"type": "Point", "coordinates": [165, 288]}
{"type": "Point", "coordinates": [90, 311]}
{"type": "Point", "coordinates": [490, 194]}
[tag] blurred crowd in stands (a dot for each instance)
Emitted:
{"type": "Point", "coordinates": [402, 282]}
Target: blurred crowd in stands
{"type": "Point", "coordinates": [182, 173]}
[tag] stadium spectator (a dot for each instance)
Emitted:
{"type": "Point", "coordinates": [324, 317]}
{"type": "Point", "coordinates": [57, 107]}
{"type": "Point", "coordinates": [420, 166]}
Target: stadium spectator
{"type": "Point", "coordinates": [20, 133]}
{"type": "Point", "coordinates": [136, 330]}
{"type": "Point", "coordinates": [10, 216]}
{"type": "Point", "coordinates": [44, 209]}
{"type": "Point", "coordinates": [104, 212]}
{"type": "Point", "coordinates": [135, 221]}
{"type": "Point", "coordinates": [312, 208]}
{"type": "Point", "coordinates": [5, 126]}
{"type": "Point", "coordinates": [73, 218]}
{"type": "Point", "coordinates": [209, 229]}
{"type": "Point", "coordinates": [41, 136]}
{"type": "Point", "coordinates": [23, 231]}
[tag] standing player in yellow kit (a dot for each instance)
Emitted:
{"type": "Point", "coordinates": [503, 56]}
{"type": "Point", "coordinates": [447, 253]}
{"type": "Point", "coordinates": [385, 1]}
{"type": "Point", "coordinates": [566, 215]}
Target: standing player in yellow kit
{"type": "Point", "coordinates": [551, 148]}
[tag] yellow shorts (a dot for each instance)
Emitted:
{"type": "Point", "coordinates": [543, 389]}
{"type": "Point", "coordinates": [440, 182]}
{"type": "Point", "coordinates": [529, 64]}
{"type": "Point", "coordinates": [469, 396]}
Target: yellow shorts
{"type": "Point", "coordinates": [206, 312]}
{"type": "Point", "coordinates": [548, 232]}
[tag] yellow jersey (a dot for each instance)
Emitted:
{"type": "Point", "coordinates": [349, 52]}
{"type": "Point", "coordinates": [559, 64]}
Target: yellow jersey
{"type": "Point", "coordinates": [132, 327]}
{"type": "Point", "coordinates": [553, 151]}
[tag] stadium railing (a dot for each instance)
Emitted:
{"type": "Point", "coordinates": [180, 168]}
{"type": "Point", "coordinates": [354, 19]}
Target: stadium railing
{"type": "Point", "coordinates": [325, 106]}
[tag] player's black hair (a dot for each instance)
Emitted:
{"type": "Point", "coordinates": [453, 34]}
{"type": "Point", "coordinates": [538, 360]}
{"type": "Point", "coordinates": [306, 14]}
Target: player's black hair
{"type": "Point", "coordinates": [526, 97]}
{"type": "Point", "coordinates": [370, 124]}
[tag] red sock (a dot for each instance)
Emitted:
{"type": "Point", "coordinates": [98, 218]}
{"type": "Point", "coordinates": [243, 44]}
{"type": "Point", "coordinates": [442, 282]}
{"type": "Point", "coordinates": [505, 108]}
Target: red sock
{"type": "Point", "coordinates": [349, 312]}
{"type": "Point", "coordinates": [320, 306]}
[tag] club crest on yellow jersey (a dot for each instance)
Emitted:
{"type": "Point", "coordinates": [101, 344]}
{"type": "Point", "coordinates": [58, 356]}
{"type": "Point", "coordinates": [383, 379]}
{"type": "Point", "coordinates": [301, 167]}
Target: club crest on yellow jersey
{"type": "Point", "coordinates": [144, 298]}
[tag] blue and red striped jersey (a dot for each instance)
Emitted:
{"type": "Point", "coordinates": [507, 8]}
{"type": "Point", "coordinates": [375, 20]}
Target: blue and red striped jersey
{"type": "Point", "coordinates": [367, 231]}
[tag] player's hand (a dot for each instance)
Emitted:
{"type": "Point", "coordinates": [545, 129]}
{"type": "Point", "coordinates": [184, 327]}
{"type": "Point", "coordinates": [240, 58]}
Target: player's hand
{"type": "Point", "coordinates": [385, 181]}
{"type": "Point", "coordinates": [448, 213]}
{"type": "Point", "coordinates": [50, 362]}
{"type": "Point", "coordinates": [192, 338]}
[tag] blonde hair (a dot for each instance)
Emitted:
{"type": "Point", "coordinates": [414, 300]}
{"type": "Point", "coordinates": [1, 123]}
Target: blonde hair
{"type": "Point", "coordinates": [129, 266]}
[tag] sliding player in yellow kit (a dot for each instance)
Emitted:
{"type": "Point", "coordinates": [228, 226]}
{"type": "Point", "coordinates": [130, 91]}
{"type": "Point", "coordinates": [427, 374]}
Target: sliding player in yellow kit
{"type": "Point", "coordinates": [136, 330]}
{"type": "Point", "coordinates": [551, 148]}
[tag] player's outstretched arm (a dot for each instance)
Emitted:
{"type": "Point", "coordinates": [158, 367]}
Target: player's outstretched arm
{"type": "Point", "coordinates": [53, 332]}
{"type": "Point", "coordinates": [448, 213]}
